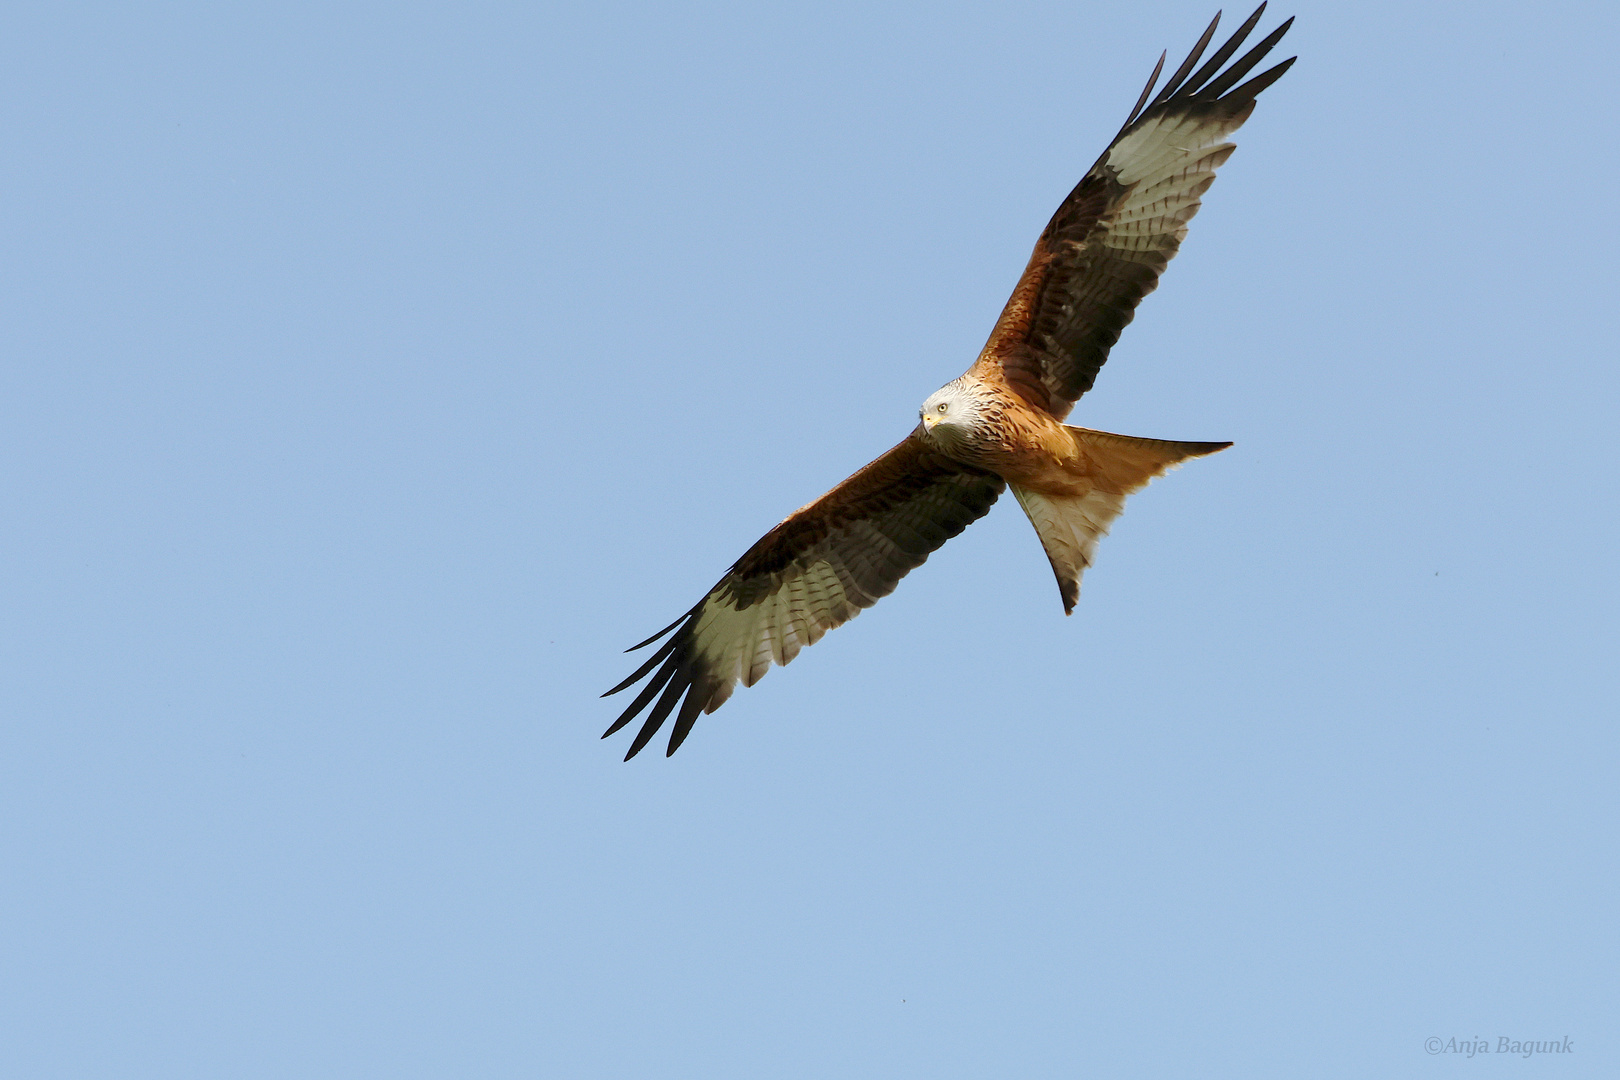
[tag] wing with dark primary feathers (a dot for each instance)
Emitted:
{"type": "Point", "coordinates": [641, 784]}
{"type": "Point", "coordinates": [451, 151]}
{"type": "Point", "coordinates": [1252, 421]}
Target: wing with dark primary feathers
{"type": "Point", "coordinates": [816, 570]}
{"type": "Point", "coordinates": [1111, 239]}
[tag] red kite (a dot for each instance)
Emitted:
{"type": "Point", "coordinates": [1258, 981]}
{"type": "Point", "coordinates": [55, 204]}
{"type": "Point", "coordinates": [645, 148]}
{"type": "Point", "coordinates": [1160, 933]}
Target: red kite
{"type": "Point", "coordinates": [999, 425]}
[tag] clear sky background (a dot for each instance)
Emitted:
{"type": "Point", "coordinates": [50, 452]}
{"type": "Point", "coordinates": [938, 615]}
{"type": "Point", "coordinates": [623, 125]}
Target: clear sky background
{"type": "Point", "coordinates": [373, 374]}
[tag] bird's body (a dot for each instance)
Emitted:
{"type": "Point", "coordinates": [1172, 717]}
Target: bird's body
{"type": "Point", "coordinates": [982, 423]}
{"type": "Point", "coordinates": [1000, 435]}
{"type": "Point", "coordinates": [999, 425]}
{"type": "Point", "coordinates": [1072, 482]}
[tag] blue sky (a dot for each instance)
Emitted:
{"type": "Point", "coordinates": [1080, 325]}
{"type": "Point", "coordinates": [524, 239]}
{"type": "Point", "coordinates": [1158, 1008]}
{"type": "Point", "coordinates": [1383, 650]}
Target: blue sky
{"type": "Point", "coordinates": [375, 373]}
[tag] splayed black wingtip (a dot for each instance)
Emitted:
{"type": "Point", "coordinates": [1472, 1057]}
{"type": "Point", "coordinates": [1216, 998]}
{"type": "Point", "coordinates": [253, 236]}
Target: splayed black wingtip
{"type": "Point", "coordinates": [1209, 82]}
{"type": "Point", "coordinates": [1253, 87]}
{"type": "Point", "coordinates": [1223, 54]}
{"type": "Point", "coordinates": [1146, 90]}
{"type": "Point", "coordinates": [652, 661]}
{"type": "Point", "coordinates": [1245, 64]}
{"type": "Point", "coordinates": [655, 684]}
{"type": "Point", "coordinates": [665, 630]}
{"type": "Point", "coordinates": [685, 719]}
{"type": "Point", "coordinates": [1186, 65]}
{"type": "Point", "coordinates": [656, 718]}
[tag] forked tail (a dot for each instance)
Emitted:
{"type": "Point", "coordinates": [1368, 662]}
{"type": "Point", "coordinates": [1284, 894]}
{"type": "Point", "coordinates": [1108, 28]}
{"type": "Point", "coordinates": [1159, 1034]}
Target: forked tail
{"type": "Point", "coordinates": [1114, 466]}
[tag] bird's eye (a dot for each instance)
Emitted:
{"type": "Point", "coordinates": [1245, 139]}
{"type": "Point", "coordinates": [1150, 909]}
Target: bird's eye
{"type": "Point", "coordinates": [942, 406]}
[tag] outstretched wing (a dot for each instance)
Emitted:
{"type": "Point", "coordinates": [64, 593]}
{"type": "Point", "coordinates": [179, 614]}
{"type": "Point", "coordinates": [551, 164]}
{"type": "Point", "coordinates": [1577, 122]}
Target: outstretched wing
{"type": "Point", "coordinates": [1108, 243]}
{"type": "Point", "coordinates": [815, 571]}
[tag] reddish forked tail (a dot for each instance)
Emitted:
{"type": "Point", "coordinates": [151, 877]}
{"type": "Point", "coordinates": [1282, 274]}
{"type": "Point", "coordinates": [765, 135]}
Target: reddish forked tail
{"type": "Point", "coordinates": [1116, 465]}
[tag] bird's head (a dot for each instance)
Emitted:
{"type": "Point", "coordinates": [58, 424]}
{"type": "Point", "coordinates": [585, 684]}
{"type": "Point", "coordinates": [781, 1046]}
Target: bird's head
{"type": "Point", "coordinates": [951, 412]}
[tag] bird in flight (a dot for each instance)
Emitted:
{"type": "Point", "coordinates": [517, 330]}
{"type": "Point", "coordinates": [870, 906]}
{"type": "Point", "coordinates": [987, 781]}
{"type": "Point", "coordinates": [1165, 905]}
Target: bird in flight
{"type": "Point", "coordinates": [999, 425]}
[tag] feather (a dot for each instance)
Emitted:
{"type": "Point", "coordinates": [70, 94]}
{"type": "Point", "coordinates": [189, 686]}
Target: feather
{"type": "Point", "coordinates": [1109, 241]}
{"type": "Point", "coordinates": [814, 571]}
{"type": "Point", "coordinates": [1102, 252]}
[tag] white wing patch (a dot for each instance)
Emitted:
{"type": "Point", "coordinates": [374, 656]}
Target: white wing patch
{"type": "Point", "coordinates": [1166, 166]}
{"type": "Point", "coordinates": [740, 646]}
{"type": "Point", "coordinates": [1151, 151]}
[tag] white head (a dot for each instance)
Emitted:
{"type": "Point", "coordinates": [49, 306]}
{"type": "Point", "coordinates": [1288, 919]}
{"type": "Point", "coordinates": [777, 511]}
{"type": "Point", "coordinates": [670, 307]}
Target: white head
{"type": "Point", "coordinates": [952, 412]}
